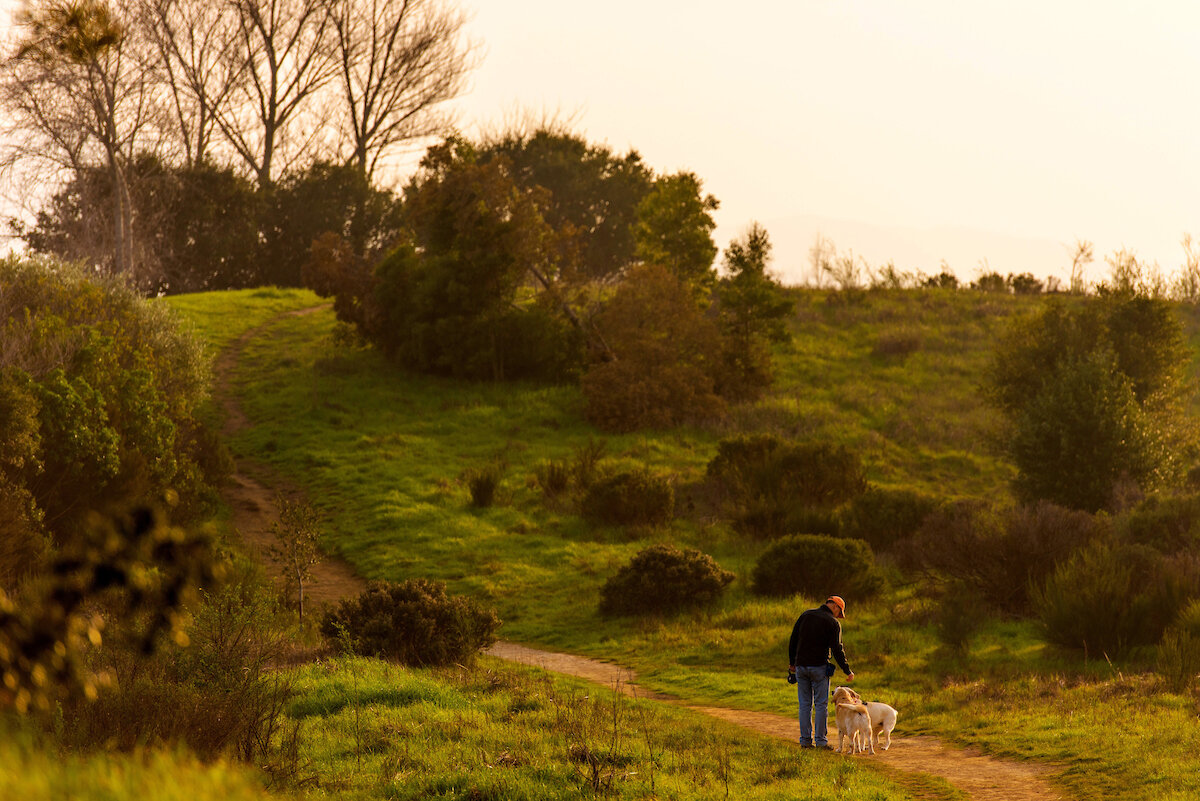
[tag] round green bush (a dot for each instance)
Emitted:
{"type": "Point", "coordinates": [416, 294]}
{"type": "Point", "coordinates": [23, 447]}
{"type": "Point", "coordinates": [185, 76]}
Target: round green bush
{"type": "Point", "coordinates": [814, 564]}
{"type": "Point", "coordinates": [788, 474]}
{"type": "Point", "coordinates": [883, 517]}
{"type": "Point", "coordinates": [636, 498]}
{"type": "Point", "coordinates": [773, 487]}
{"type": "Point", "coordinates": [663, 579]}
{"type": "Point", "coordinates": [414, 623]}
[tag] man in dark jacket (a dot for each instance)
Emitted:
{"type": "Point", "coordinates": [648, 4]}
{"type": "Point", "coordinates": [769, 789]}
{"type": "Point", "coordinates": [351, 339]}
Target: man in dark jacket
{"type": "Point", "coordinates": [815, 636]}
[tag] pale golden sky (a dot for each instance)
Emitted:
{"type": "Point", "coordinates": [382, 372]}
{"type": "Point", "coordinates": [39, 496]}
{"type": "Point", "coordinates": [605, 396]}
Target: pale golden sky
{"type": "Point", "coordinates": [918, 130]}
{"type": "Point", "coordinates": [883, 124]}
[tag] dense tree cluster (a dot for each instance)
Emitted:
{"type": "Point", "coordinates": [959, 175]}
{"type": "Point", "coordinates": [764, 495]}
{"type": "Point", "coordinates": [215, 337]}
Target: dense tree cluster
{"type": "Point", "coordinates": [541, 256]}
{"type": "Point", "coordinates": [192, 142]}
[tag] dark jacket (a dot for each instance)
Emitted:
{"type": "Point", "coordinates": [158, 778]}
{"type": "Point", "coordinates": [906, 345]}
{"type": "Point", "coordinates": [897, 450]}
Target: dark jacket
{"type": "Point", "coordinates": [817, 633]}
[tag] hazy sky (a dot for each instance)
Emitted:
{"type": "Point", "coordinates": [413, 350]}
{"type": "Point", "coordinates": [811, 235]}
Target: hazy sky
{"type": "Point", "coordinates": [916, 130]}
{"type": "Point", "coordinates": [922, 129]}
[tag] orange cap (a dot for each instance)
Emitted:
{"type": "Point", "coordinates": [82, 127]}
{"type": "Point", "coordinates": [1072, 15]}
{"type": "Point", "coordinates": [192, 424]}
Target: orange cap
{"type": "Point", "coordinates": [837, 601]}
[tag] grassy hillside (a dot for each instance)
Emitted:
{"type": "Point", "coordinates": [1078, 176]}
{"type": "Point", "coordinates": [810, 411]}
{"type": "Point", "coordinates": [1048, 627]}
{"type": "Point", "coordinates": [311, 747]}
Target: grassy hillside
{"type": "Point", "coordinates": [894, 376]}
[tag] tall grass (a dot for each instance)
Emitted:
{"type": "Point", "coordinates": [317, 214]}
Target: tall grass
{"type": "Point", "coordinates": [32, 771]}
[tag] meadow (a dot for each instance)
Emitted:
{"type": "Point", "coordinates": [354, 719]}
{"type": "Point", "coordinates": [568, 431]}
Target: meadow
{"type": "Point", "coordinates": [892, 375]}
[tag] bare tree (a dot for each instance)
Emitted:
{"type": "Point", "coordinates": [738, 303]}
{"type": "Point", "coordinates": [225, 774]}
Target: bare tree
{"type": "Point", "coordinates": [398, 60]}
{"type": "Point", "coordinates": [1187, 284]}
{"type": "Point", "coordinates": [276, 113]}
{"type": "Point", "coordinates": [78, 91]}
{"type": "Point", "coordinates": [198, 46]}
{"type": "Point", "coordinates": [1081, 257]}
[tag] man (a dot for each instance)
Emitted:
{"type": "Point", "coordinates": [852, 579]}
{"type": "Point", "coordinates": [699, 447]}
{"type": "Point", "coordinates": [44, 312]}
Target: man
{"type": "Point", "coordinates": [816, 634]}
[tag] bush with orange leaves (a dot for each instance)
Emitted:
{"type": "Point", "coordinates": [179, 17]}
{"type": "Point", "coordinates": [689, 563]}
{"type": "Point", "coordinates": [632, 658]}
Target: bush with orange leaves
{"type": "Point", "coordinates": [666, 353]}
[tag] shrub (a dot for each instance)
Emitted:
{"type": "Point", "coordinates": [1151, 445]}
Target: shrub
{"type": "Point", "coordinates": [943, 280]}
{"type": "Point", "coordinates": [636, 498]}
{"type": "Point", "coordinates": [901, 342]}
{"type": "Point", "coordinates": [553, 477]}
{"type": "Point", "coordinates": [776, 487]}
{"type": "Point", "coordinates": [132, 568]}
{"type": "Point", "coordinates": [1109, 598]}
{"type": "Point", "coordinates": [663, 579]}
{"type": "Point", "coordinates": [224, 696]}
{"type": "Point", "coordinates": [960, 614]}
{"type": "Point", "coordinates": [627, 396]}
{"type": "Point", "coordinates": [483, 483]}
{"type": "Point", "coordinates": [1026, 284]}
{"type": "Point", "coordinates": [990, 282]}
{"type": "Point", "coordinates": [788, 474]}
{"type": "Point", "coordinates": [884, 517]}
{"type": "Point", "coordinates": [23, 547]}
{"type": "Point", "coordinates": [817, 565]}
{"type": "Point", "coordinates": [1179, 652]}
{"type": "Point", "coordinates": [667, 356]}
{"type": "Point", "coordinates": [1000, 556]}
{"type": "Point", "coordinates": [100, 393]}
{"type": "Point", "coordinates": [414, 623]}
{"type": "Point", "coordinates": [585, 466]}
{"type": "Point", "coordinates": [767, 521]}
{"type": "Point", "coordinates": [740, 461]}
{"type": "Point", "coordinates": [1168, 524]}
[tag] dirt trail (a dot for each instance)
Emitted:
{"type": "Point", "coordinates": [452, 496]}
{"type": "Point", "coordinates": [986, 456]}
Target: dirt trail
{"type": "Point", "coordinates": [980, 777]}
{"type": "Point", "coordinates": [253, 504]}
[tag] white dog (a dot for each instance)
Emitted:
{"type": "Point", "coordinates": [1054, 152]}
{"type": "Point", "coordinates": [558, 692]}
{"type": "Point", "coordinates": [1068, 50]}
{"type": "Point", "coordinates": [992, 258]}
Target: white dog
{"type": "Point", "coordinates": [883, 717]}
{"type": "Point", "coordinates": [853, 722]}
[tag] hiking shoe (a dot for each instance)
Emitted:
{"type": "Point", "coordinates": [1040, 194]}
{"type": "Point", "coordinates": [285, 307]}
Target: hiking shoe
{"type": "Point", "coordinates": [823, 747]}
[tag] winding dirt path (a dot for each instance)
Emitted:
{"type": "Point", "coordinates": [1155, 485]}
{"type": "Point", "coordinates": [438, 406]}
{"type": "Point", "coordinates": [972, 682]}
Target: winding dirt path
{"type": "Point", "coordinates": [253, 503]}
{"type": "Point", "coordinates": [981, 777]}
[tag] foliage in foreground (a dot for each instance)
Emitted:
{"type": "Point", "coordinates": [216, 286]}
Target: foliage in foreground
{"type": "Point", "coordinates": [100, 394]}
{"type": "Point", "coordinates": [32, 772]}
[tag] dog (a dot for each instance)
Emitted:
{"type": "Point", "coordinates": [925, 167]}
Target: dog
{"type": "Point", "coordinates": [883, 717]}
{"type": "Point", "coordinates": [853, 722]}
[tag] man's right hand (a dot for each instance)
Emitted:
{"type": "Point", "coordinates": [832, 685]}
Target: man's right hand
{"type": "Point", "coordinates": [850, 678]}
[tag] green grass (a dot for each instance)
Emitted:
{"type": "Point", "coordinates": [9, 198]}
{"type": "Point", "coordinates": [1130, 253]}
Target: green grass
{"type": "Point", "coordinates": [497, 731]}
{"type": "Point", "coordinates": [30, 771]}
{"type": "Point", "coordinates": [221, 317]}
{"type": "Point", "coordinates": [383, 455]}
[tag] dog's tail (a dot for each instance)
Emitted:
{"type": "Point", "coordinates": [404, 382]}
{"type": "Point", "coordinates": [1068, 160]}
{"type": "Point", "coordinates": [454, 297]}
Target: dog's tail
{"type": "Point", "coordinates": [859, 708]}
